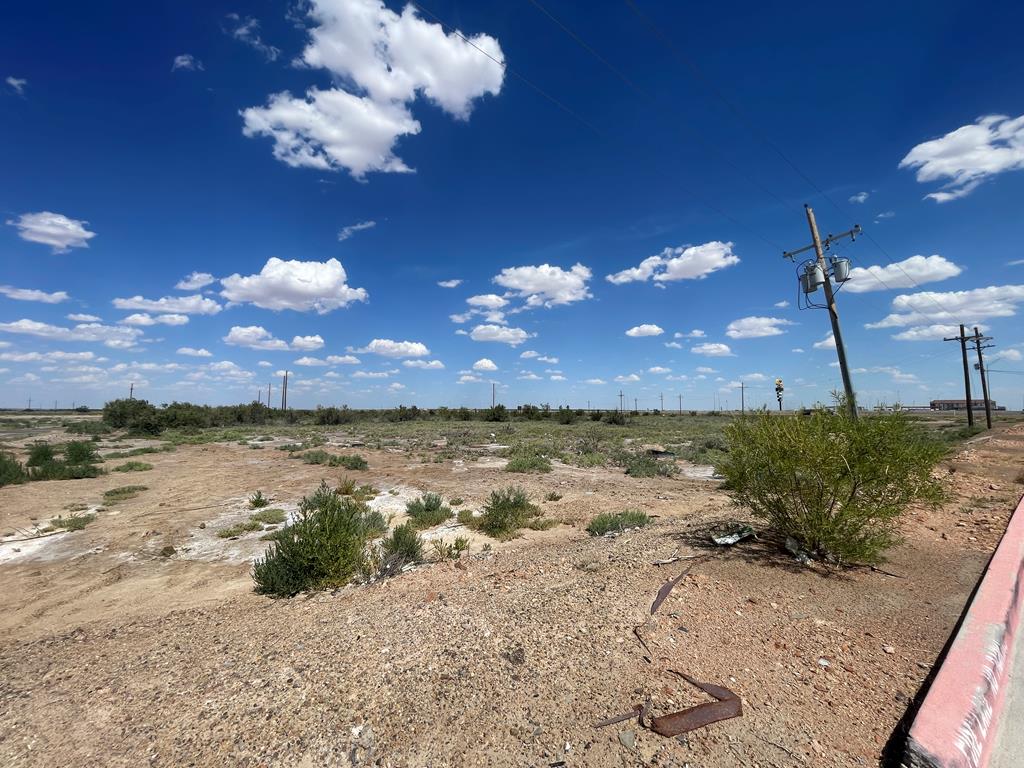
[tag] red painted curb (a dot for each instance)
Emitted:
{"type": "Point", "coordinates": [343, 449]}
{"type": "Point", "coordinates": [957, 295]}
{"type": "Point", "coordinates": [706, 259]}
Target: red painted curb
{"type": "Point", "coordinates": [956, 724]}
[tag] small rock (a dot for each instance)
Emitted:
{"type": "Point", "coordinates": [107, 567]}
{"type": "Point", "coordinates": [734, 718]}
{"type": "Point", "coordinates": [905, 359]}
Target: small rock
{"type": "Point", "coordinates": [888, 649]}
{"type": "Point", "coordinates": [627, 739]}
{"type": "Point", "coordinates": [824, 663]}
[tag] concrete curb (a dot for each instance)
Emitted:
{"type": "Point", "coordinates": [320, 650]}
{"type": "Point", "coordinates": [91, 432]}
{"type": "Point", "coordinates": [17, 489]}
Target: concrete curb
{"type": "Point", "coordinates": [957, 722]}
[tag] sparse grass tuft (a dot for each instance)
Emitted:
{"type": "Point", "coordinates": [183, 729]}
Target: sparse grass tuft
{"type": "Point", "coordinates": [133, 466]}
{"type": "Point", "coordinates": [238, 529]}
{"type": "Point", "coordinates": [269, 516]}
{"type": "Point", "coordinates": [353, 461]}
{"type": "Point", "coordinates": [403, 546]}
{"type": "Point", "coordinates": [258, 500]}
{"type": "Point", "coordinates": [72, 522]}
{"type": "Point", "coordinates": [139, 452]}
{"type": "Point", "coordinates": [528, 458]}
{"type": "Point", "coordinates": [318, 456]}
{"type": "Point", "coordinates": [458, 501]}
{"type": "Point", "coordinates": [445, 551]}
{"type": "Point", "coordinates": [640, 465]}
{"type": "Point", "coordinates": [123, 493]}
{"type": "Point", "coordinates": [11, 470]}
{"type": "Point", "coordinates": [552, 496]}
{"type": "Point", "coordinates": [506, 511]}
{"type": "Point", "coordinates": [427, 511]}
{"type": "Point", "coordinates": [617, 522]}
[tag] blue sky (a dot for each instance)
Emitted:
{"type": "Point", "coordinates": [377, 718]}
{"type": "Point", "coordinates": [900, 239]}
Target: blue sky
{"type": "Point", "coordinates": [198, 196]}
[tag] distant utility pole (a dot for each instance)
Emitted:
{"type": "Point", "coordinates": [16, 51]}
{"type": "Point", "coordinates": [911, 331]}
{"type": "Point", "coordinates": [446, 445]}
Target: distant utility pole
{"type": "Point", "coordinates": [621, 407]}
{"type": "Point", "coordinates": [635, 409]}
{"type": "Point", "coordinates": [268, 396]}
{"type": "Point", "coordinates": [978, 338]}
{"type": "Point", "coordinates": [680, 405]}
{"type": "Point", "coordinates": [131, 391]}
{"type": "Point", "coordinates": [662, 402]}
{"type": "Point", "coordinates": [492, 394]}
{"type": "Point", "coordinates": [816, 272]}
{"type": "Point", "coordinates": [284, 392]}
{"type": "Point", "coordinates": [743, 399]}
{"type": "Point", "coordinates": [962, 338]}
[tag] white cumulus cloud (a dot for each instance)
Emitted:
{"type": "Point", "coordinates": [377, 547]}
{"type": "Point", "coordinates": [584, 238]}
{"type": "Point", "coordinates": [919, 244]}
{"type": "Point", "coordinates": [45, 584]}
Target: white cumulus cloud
{"type": "Point", "coordinates": [30, 294]}
{"type": "Point", "coordinates": [546, 285]}
{"type": "Point", "coordinates": [389, 348]}
{"type": "Point", "coordinates": [484, 364]}
{"type": "Point", "coordinates": [647, 329]}
{"type": "Point", "coordinates": [499, 333]}
{"type": "Point", "coordinates": [968, 156]}
{"type": "Point", "coordinates": [684, 262]}
{"type": "Point", "coordinates": [756, 327]}
{"type": "Point", "coordinates": [186, 61]}
{"type": "Point", "coordinates": [386, 61]}
{"type": "Point", "coordinates": [196, 304]}
{"type": "Point", "coordinates": [53, 229]}
{"type": "Point", "coordinates": [144, 319]}
{"type": "Point", "coordinates": [307, 343]}
{"type": "Point", "coordinates": [193, 352]}
{"type": "Point", "coordinates": [297, 285]}
{"type": "Point", "coordinates": [254, 337]}
{"type": "Point", "coordinates": [712, 349]}
{"type": "Point", "coordinates": [450, 283]}
{"type": "Point", "coordinates": [902, 274]}
{"type": "Point", "coordinates": [195, 281]}
{"type": "Point", "coordinates": [427, 365]}
{"type": "Point", "coordinates": [114, 336]}
{"type": "Point", "coordinates": [346, 232]}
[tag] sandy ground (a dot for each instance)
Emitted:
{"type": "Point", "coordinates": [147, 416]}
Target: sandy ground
{"type": "Point", "coordinates": [112, 654]}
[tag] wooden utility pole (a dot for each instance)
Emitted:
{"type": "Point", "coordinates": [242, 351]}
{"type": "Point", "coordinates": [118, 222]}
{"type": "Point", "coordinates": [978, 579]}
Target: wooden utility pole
{"type": "Point", "coordinates": [680, 405]}
{"type": "Point", "coordinates": [268, 396]}
{"type": "Point", "coordinates": [962, 338]}
{"type": "Point", "coordinates": [978, 338]}
{"type": "Point", "coordinates": [492, 394]}
{"type": "Point", "coordinates": [662, 402]}
{"type": "Point", "coordinates": [284, 392]}
{"type": "Point", "coordinates": [621, 407]}
{"type": "Point", "coordinates": [743, 399]}
{"type": "Point", "coordinates": [635, 409]}
{"type": "Point", "coordinates": [818, 245]}
{"type": "Point", "coordinates": [131, 391]}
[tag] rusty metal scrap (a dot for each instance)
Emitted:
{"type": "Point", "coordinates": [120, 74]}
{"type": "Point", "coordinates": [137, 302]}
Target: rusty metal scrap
{"type": "Point", "coordinates": [668, 586]}
{"type": "Point", "coordinates": [728, 705]}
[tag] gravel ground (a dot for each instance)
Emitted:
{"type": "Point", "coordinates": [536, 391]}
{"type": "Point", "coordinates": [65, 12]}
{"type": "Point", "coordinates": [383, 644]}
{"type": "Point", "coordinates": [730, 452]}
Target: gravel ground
{"type": "Point", "coordinates": [507, 658]}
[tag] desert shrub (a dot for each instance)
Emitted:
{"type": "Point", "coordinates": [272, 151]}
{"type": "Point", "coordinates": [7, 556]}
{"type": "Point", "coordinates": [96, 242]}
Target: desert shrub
{"type": "Point", "coordinates": [403, 546]}
{"type": "Point", "coordinates": [458, 501]}
{"type": "Point", "coordinates": [133, 466]}
{"type": "Point", "coordinates": [566, 416]}
{"type": "Point", "coordinates": [140, 451]}
{"type": "Point", "coordinates": [445, 551]}
{"type": "Point", "coordinates": [80, 452]}
{"type": "Point", "coordinates": [137, 416]}
{"type": "Point", "coordinates": [710, 449]}
{"type": "Point", "coordinates": [72, 522]}
{"type": "Point", "coordinates": [258, 500]}
{"type": "Point", "coordinates": [618, 418]}
{"type": "Point", "coordinates": [1019, 479]}
{"type": "Point", "coordinates": [496, 413]}
{"type": "Point", "coordinates": [553, 496]}
{"type": "Point", "coordinates": [347, 487]}
{"type": "Point", "coordinates": [11, 470]}
{"type": "Point", "coordinates": [528, 459]}
{"type": "Point", "coordinates": [506, 511]}
{"type": "Point", "coordinates": [353, 461]}
{"type": "Point", "coordinates": [40, 454]}
{"type": "Point", "coordinates": [427, 511]}
{"type": "Point", "coordinates": [318, 456]}
{"type": "Point", "coordinates": [238, 529]}
{"type": "Point", "coordinates": [640, 465]}
{"type": "Point", "coordinates": [332, 416]}
{"type": "Point", "coordinates": [123, 493]}
{"type": "Point", "coordinates": [839, 487]}
{"type": "Point", "coordinates": [617, 521]}
{"type": "Point", "coordinates": [323, 548]}
{"type": "Point", "coordinates": [269, 516]}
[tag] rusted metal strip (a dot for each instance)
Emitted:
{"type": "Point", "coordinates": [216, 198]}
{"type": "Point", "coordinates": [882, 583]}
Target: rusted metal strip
{"type": "Point", "coordinates": [728, 705]}
{"type": "Point", "coordinates": [667, 587]}
{"type": "Point", "coordinates": [634, 712]}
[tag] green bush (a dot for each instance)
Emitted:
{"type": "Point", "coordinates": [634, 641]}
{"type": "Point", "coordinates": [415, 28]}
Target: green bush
{"type": "Point", "coordinates": [11, 470]}
{"type": "Point", "coordinates": [137, 416]}
{"type": "Point", "coordinates": [353, 461]}
{"type": "Point", "coordinates": [427, 511]}
{"type": "Point", "coordinates": [40, 454]}
{"type": "Point", "coordinates": [247, 526]}
{"type": "Point", "coordinates": [323, 548]}
{"type": "Point", "coordinates": [139, 452]}
{"type": "Point", "coordinates": [496, 413]}
{"type": "Point", "coordinates": [640, 465]}
{"type": "Point", "coordinates": [258, 500]}
{"type": "Point", "coordinates": [526, 460]}
{"type": "Point", "coordinates": [839, 487]}
{"type": "Point", "coordinates": [506, 511]}
{"type": "Point", "coordinates": [617, 521]}
{"type": "Point", "coordinates": [401, 547]}
{"type": "Point", "coordinates": [318, 456]}
{"type": "Point", "coordinates": [445, 551]}
{"type": "Point", "coordinates": [80, 452]}
{"type": "Point", "coordinates": [133, 466]}
{"type": "Point", "coordinates": [618, 418]}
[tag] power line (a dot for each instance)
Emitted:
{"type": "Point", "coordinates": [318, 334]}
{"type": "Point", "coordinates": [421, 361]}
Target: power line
{"type": "Point", "coordinates": [758, 133]}
{"type": "Point", "coordinates": [506, 67]}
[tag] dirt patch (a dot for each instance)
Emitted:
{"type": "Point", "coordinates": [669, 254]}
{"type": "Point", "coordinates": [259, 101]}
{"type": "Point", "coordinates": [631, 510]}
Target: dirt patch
{"type": "Point", "coordinates": [111, 654]}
